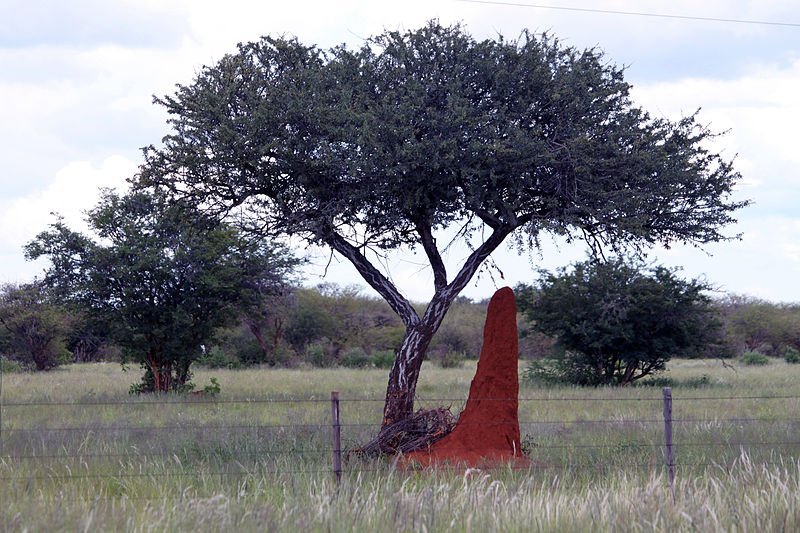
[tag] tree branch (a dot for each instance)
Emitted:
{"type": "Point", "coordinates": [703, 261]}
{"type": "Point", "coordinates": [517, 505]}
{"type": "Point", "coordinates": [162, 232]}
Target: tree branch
{"type": "Point", "coordinates": [374, 278]}
{"type": "Point", "coordinates": [477, 257]}
{"type": "Point", "coordinates": [444, 297]}
{"type": "Point", "coordinates": [435, 259]}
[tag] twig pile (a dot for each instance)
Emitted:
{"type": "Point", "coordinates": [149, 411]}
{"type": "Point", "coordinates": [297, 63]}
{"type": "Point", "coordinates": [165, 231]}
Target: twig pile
{"type": "Point", "coordinates": [418, 431]}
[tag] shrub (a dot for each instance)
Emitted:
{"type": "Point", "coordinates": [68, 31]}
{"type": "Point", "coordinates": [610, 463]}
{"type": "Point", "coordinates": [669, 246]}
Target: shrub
{"type": "Point", "coordinates": [545, 371]}
{"type": "Point", "coordinates": [792, 356]}
{"type": "Point", "coordinates": [694, 382]}
{"type": "Point", "coordinates": [7, 366]}
{"type": "Point", "coordinates": [213, 389]}
{"type": "Point", "coordinates": [754, 359]}
{"type": "Point", "coordinates": [217, 358]}
{"type": "Point", "coordinates": [698, 381]}
{"type": "Point", "coordinates": [383, 358]}
{"type": "Point", "coordinates": [316, 355]}
{"type": "Point", "coordinates": [451, 359]}
{"type": "Point", "coordinates": [618, 320]}
{"type": "Point", "coordinates": [355, 358]}
{"type": "Point", "coordinates": [655, 381]}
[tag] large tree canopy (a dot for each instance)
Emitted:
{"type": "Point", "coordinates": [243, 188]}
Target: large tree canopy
{"type": "Point", "coordinates": [381, 147]}
{"type": "Point", "coordinates": [160, 278]}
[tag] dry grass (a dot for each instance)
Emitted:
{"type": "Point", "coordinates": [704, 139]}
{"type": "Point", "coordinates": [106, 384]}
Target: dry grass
{"type": "Point", "coordinates": [126, 463]}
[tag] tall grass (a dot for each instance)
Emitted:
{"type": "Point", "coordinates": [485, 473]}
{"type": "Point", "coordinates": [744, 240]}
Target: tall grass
{"type": "Point", "coordinates": [749, 497]}
{"type": "Point", "coordinates": [251, 460]}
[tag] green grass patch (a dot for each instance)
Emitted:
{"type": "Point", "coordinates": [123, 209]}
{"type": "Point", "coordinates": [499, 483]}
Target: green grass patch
{"type": "Point", "coordinates": [257, 455]}
{"type": "Point", "coordinates": [754, 359]}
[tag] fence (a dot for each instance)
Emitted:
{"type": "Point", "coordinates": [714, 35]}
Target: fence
{"type": "Point", "coordinates": [48, 442]}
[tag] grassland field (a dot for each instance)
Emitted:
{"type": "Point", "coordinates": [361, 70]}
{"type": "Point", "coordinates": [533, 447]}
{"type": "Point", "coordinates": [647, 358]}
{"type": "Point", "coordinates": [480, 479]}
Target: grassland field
{"type": "Point", "coordinates": [77, 453]}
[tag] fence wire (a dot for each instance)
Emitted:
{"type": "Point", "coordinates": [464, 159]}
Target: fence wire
{"type": "Point", "coordinates": [43, 451]}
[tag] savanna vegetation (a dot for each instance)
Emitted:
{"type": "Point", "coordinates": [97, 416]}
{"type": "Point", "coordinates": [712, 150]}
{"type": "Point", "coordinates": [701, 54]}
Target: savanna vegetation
{"type": "Point", "coordinates": [417, 133]}
{"type": "Point", "coordinates": [157, 279]}
{"type": "Point", "coordinates": [618, 321]}
{"type": "Point", "coordinates": [367, 151]}
{"type": "Point", "coordinates": [335, 326]}
{"type": "Point", "coordinates": [79, 453]}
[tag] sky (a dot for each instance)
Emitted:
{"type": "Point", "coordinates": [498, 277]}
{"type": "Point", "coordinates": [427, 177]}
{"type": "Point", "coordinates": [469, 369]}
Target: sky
{"type": "Point", "coordinates": [77, 80]}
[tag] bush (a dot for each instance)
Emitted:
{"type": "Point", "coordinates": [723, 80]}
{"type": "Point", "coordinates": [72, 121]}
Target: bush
{"type": "Point", "coordinates": [316, 355]}
{"type": "Point", "coordinates": [546, 371]}
{"type": "Point", "coordinates": [7, 366]}
{"type": "Point", "coordinates": [791, 356]}
{"type": "Point", "coordinates": [694, 382]}
{"type": "Point", "coordinates": [655, 381]}
{"type": "Point", "coordinates": [355, 358]}
{"type": "Point", "coordinates": [213, 389]}
{"type": "Point", "coordinates": [754, 359]}
{"type": "Point", "coordinates": [617, 320]}
{"type": "Point", "coordinates": [383, 358]}
{"type": "Point", "coordinates": [698, 381]}
{"type": "Point", "coordinates": [450, 359]}
{"type": "Point", "coordinates": [217, 358]}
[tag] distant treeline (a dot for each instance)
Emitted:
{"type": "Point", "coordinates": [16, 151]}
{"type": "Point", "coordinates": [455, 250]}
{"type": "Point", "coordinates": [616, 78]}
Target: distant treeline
{"type": "Point", "coordinates": [331, 325]}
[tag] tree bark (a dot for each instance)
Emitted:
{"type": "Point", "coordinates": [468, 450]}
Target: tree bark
{"type": "Point", "coordinates": [402, 386]}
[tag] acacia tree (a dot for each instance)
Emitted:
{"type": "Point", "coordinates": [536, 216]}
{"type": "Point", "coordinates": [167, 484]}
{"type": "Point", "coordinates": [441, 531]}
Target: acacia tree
{"type": "Point", "coordinates": [381, 147]}
{"type": "Point", "coordinates": [618, 321]}
{"type": "Point", "coordinates": [34, 326]}
{"type": "Point", "coordinates": [159, 277]}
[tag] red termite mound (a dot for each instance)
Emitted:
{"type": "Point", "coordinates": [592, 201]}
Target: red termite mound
{"type": "Point", "coordinates": [487, 432]}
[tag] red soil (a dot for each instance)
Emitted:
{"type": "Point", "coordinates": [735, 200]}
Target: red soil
{"type": "Point", "coordinates": [487, 432]}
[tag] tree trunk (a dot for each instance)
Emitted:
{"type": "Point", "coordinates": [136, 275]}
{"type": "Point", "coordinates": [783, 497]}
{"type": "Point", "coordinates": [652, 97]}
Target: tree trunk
{"type": "Point", "coordinates": [627, 379]}
{"type": "Point", "coordinates": [419, 331]}
{"type": "Point", "coordinates": [255, 329]}
{"type": "Point", "coordinates": [403, 377]}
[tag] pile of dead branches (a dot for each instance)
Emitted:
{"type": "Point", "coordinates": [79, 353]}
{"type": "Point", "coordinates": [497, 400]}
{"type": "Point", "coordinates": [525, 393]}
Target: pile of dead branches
{"type": "Point", "coordinates": [415, 432]}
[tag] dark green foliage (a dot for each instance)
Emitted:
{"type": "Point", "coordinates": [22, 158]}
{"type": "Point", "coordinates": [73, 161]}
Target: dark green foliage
{"type": "Point", "coordinates": [213, 388]}
{"type": "Point", "coordinates": [160, 278]}
{"type": "Point", "coordinates": [310, 321]}
{"type": "Point", "coordinates": [317, 355]}
{"type": "Point", "coordinates": [8, 366]}
{"type": "Point", "coordinates": [328, 321]}
{"type": "Point", "coordinates": [216, 358]}
{"type": "Point", "coordinates": [235, 343]}
{"type": "Point", "coordinates": [754, 359]}
{"type": "Point", "coordinates": [695, 382]}
{"type": "Point", "coordinates": [381, 147]}
{"type": "Point", "coordinates": [383, 358]}
{"type": "Point", "coordinates": [356, 358]}
{"type": "Point", "coordinates": [429, 127]}
{"type": "Point", "coordinates": [792, 356]}
{"type": "Point", "coordinates": [33, 327]}
{"type": "Point", "coordinates": [617, 321]}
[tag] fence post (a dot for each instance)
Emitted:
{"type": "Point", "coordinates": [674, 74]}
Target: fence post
{"type": "Point", "coordinates": [670, 455]}
{"type": "Point", "coordinates": [337, 437]}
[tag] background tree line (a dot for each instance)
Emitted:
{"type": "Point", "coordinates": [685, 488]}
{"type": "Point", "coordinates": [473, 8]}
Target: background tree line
{"type": "Point", "coordinates": [331, 325]}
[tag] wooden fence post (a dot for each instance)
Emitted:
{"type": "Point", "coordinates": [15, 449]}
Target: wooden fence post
{"type": "Point", "coordinates": [337, 437]}
{"type": "Point", "coordinates": [670, 454]}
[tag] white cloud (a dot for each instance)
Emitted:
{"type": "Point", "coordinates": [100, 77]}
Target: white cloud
{"type": "Point", "coordinates": [73, 191]}
{"type": "Point", "coordinates": [760, 111]}
{"type": "Point", "coordinates": [87, 22]}
{"type": "Point", "coordinates": [83, 94]}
